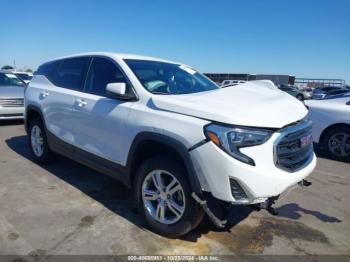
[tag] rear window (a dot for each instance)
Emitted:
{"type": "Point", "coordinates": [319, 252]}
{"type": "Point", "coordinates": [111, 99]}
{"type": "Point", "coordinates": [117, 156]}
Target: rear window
{"type": "Point", "coordinates": [70, 73]}
{"type": "Point", "coordinates": [47, 69]}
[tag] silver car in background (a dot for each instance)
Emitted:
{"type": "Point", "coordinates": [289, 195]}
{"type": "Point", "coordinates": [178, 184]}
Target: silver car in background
{"type": "Point", "coordinates": [24, 76]}
{"type": "Point", "coordinates": [11, 96]}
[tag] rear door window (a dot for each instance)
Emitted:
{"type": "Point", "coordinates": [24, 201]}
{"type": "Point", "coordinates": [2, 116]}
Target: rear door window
{"type": "Point", "coordinates": [71, 73]}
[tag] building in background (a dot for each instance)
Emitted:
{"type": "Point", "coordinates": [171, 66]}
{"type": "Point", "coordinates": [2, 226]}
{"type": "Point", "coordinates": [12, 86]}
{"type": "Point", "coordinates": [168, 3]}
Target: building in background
{"type": "Point", "coordinates": [314, 82]}
{"type": "Point", "coordinates": [277, 79]}
{"type": "Point", "coordinates": [219, 77]}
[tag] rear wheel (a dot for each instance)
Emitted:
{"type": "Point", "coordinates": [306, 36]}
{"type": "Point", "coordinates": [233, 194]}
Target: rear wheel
{"type": "Point", "coordinates": [337, 143]}
{"type": "Point", "coordinates": [38, 141]}
{"type": "Point", "coordinates": [164, 197]}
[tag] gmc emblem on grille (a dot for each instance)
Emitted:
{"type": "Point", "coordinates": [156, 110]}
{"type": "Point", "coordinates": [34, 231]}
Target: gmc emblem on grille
{"type": "Point", "coordinates": [305, 141]}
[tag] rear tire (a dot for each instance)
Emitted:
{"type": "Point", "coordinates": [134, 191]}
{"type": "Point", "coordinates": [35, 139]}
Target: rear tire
{"type": "Point", "coordinates": [181, 212]}
{"type": "Point", "coordinates": [336, 143]}
{"type": "Point", "coordinates": [39, 146]}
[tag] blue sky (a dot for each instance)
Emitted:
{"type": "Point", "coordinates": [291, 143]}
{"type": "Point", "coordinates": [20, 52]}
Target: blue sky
{"type": "Point", "coordinates": [306, 38]}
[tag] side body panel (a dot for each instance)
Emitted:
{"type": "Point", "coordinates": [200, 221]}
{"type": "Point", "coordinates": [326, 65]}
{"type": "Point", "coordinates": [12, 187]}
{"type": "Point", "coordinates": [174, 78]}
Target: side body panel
{"type": "Point", "coordinates": [55, 103]}
{"type": "Point", "coordinates": [325, 113]}
{"type": "Point", "coordinates": [100, 126]}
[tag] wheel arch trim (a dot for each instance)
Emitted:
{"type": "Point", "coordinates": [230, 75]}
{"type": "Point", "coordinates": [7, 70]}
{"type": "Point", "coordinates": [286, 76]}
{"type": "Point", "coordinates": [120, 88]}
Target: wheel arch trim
{"type": "Point", "coordinates": [167, 141]}
{"type": "Point", "coordinates": [31, 108]}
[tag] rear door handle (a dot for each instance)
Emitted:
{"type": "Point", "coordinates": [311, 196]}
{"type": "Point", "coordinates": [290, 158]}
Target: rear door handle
{"type": "Point", "coordinates": [81, 102]}
{"type": "Point", "coordinates": [44, 94]}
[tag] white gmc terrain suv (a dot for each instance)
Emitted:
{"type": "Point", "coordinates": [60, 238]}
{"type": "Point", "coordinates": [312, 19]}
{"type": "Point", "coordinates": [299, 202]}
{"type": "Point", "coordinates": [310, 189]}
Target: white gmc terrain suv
{"type": "Point", "coordinates": [165, 130]}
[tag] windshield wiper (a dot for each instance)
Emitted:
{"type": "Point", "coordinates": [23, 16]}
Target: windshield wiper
{"type": "Point", "coordinates": [160, 93]}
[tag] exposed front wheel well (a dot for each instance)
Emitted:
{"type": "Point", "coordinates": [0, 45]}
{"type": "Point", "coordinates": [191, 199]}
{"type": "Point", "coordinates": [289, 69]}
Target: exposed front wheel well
{"type": "Point", "coordinates": [30, 115]}
{"type": "Point", "coordinates": [148, 149]}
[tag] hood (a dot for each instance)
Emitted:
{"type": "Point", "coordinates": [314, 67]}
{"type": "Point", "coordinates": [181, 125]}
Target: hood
{"type": "Point", "coordinates": [11, 91]}
{"type": "Point", "coordinates": [249, 104]}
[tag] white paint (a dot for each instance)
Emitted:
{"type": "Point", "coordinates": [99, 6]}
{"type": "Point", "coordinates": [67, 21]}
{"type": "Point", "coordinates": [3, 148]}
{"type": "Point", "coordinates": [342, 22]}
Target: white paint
{"type": "Point", "coordinates": [107, 127]}
{"type": "Point", "coordinates": [327, 112]}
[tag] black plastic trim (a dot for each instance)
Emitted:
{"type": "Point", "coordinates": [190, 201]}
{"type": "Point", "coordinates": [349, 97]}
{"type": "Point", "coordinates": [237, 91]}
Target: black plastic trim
{"type": "Point", "coordinates": [88, 159]}
{"type": "Point", "coordinates": [27, 110]}
{"type": "Point", "coordinates": [200, 143]}
{"type": "Point", "coordinates": [182, 151]}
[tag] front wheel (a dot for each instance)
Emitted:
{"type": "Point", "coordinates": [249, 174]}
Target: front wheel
{"type": "Point", "coordinates": [337, 143]}
{"type": "Point", "coordinates": [164, 197]}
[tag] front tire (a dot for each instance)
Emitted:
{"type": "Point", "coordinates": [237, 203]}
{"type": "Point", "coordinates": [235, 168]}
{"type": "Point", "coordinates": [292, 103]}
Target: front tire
{"type": "Point", "coordinates": [164, 197]}
{"type": "Point", "coordinates": [38, 141]}
{"type": "Point", "coordinates": [336, 142]}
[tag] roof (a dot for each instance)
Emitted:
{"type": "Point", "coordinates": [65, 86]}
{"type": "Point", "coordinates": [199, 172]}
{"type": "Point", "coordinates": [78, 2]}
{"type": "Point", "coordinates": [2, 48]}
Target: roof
{"type": "Point", "coordinates": [117, 56]}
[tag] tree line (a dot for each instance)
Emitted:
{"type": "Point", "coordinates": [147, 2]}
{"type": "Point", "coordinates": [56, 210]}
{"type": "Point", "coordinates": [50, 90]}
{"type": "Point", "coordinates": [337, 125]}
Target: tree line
{"type": "Point", "coordinates": [8, 67]}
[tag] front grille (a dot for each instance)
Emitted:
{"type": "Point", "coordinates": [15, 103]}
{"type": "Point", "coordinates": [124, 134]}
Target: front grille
{"type": "Point", "coordinates": [294, 148]}
{"type": "Point", "coordinates": [10, 115]}
{"type": "Point", "coordinates": [11, 102]}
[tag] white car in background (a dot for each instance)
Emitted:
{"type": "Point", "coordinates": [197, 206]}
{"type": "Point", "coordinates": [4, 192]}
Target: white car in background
{"type": "Point", "coordinates": [331, 125]}
{"type": "Point", "coordinates": [232, 82]}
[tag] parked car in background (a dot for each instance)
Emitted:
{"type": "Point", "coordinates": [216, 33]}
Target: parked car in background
{"type": "Point", "coordinates": [307, 92]}
{"type": "Point", "coordinates": [232, 82]}
{"type": "Point", "coordinates": [339, 92]}
{"type": "Point", "coordinates": [322, 92]}
{"type": "Point", "coordinates": [331, 125]}
{"type": "Point", "coordinates": [24, 76]}
{"type": "Point", "coordinates": [295, 92]}
{"type": "Point", "coordinates": [170, 133]}
{"type": "Point", "coordinates": [11, 96]}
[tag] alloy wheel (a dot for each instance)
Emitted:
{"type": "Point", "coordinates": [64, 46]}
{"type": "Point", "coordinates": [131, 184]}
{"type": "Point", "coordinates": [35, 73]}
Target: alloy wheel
{"type": "Point", "coordinates": [163, 197]}
{"type": "Point", "coordinates": [37, 141]}
{"type": "Point", "coordinates": [339, 144]}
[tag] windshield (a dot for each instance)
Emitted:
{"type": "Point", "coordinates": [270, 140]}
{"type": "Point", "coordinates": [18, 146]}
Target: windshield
{"type": "Point", "coordinates": [10, 80]}
{"type": "Point", "coordinates": [167, 78]}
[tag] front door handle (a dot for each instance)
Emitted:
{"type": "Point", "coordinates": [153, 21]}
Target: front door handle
{"type": "Point", "coordinates": [81, 102]}
{"type": "Point", "coordinates": [44, 94]}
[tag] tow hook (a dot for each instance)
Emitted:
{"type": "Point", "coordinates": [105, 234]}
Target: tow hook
{"type": "Point", "coordinates": [304, 183]}
{"type": "Point", "coordinates": [203, 203]}
{"type": "Point", "coordinates": [268, 205]}
{"type": "Point", "coordinates": [271, 201]}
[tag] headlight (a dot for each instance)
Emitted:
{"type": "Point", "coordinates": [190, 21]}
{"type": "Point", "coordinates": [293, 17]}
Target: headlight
{"type": "Point", "coordinates": [231, 138]}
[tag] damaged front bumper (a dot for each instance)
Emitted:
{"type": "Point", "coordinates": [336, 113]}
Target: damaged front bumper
{"type": "Point", "coordinates": [218, 210]}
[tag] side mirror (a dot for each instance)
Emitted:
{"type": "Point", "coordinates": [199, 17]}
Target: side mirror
{"type": "Point", "coordinates": [117, 89]}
